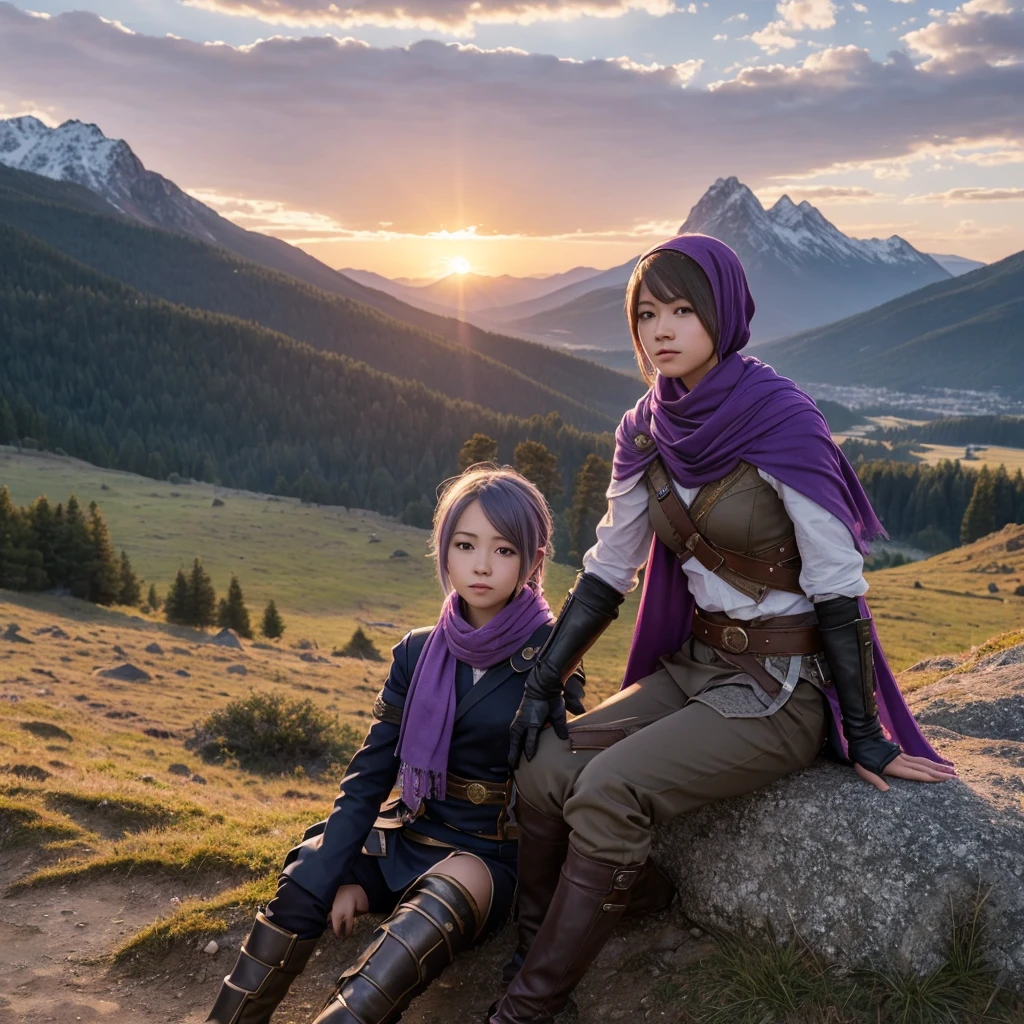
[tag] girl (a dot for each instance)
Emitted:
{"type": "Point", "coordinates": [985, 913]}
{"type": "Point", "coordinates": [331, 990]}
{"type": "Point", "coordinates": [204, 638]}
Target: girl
{"type": "Point", "coordinates": [751, 616]}
{"type": "Point", "coordinates": [440, 860]}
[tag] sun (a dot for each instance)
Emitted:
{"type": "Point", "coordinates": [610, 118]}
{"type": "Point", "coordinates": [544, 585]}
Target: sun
{"type": "Point", "coordinates": [458, 265]}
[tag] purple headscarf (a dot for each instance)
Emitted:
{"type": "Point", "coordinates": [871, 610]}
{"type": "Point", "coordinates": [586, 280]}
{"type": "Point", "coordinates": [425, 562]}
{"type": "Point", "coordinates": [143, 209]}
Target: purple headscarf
{"type": "Point", "coordinates": [742, 410]}
{"type": "Point", "coordinates": [429, 714]}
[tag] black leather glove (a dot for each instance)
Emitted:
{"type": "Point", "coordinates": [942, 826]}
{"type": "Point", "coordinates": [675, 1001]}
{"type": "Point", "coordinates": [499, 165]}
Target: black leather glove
{"type": "Point", "coordinates": [574, 690]}
{"type": "Point", "coordinates": [591, 605]}
{"type": "Point", "coordinates": [849, 650]}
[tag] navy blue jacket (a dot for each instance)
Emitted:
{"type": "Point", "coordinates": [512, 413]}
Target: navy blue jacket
{"type": "Point", "coordinates": [479, 750]}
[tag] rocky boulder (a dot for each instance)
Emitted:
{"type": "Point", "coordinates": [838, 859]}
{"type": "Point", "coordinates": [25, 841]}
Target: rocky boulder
{"type": "Point", "coordinates": [865, 876]}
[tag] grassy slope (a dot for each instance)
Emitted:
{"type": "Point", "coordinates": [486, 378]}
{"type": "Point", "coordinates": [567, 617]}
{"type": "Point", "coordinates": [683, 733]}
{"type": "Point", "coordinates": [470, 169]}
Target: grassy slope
{"type": "Point", "coordinates": [111, 806]}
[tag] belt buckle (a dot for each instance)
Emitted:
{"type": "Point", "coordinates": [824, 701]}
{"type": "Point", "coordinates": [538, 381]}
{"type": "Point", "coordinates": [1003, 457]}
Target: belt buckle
{"type": "Point", "coordinates": [735, 639]}
{"type": "Point", "coordinates": [476, 793]}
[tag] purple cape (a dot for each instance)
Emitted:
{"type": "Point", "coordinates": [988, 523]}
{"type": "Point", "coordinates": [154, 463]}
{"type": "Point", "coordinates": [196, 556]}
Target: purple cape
{"type": "Point", "coordinates": [742, 410]}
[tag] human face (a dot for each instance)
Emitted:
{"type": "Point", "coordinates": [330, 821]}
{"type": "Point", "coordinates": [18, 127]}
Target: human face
{"type": "Point", "coordinates": [483, 566]}
{"type": "Point", "coordinates": [674, 338]}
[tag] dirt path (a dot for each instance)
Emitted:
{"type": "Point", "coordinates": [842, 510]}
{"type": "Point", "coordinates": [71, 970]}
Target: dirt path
{"type": "Point", "coordinates": [52, 941]}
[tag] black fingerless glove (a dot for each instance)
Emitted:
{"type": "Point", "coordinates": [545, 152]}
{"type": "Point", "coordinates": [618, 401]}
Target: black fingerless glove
{"type": "Point", "coordinates": [591, 605]}
{"type": "Point", "coordinates": [849, 650]}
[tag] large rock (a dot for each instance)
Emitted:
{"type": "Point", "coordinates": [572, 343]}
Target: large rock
{"type": "Point", "coordinates": [866, 876]}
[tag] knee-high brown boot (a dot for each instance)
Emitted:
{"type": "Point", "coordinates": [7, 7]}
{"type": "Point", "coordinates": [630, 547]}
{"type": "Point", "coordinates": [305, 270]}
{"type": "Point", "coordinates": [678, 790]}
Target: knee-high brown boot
{"type": "Point", "coordinates": [436, 919]}
{"type": "Point", "coordinates": [271, 958]}
{"type": "Point", "coordinates": [586, 907]}
{"type": "Point", "coordinates": [543, 845]}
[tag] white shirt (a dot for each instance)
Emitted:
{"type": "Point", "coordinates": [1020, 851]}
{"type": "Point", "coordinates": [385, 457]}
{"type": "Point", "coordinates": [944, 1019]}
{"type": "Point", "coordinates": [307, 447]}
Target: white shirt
{"type": "Point", "coordinates": [831, 564]}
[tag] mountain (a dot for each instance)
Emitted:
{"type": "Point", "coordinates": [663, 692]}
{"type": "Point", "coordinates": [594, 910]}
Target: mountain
{"type": "Point", "coordinates": [186, 271]}
{"type": "Point", "coordinates": [960, 333]}
{"type": "Point", "coordinates": [803, 271]}
{"type": "Point", "coordinates": [122, 379]}
{"type": "Point", "coordinates": [81, 153]}
{"type": "Point", "coordinates": [956, 265]}
{"type": "Point", "coordinates": [458, 294]}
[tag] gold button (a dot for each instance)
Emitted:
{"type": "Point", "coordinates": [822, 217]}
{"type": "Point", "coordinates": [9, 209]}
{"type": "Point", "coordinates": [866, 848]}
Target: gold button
{"type": "Point", "coordinates": [476, 793]}
{"type": "Point", "coordinates": [641, 441]}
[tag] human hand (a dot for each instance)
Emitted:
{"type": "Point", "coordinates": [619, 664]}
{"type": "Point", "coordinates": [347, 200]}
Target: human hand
{"type": "Point", "coordinates": [349, 902]}
{"type": "Point", "coordinates": [533, 714]}
{"type": "Point", "coordinates": [903, 766]}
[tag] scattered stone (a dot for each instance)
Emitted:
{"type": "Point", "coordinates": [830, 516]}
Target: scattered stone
{"type": "Point", "coordinates": [122, 714]}
{"type": "Point", "coordinates": [297, 794]}
{"type": "Point", "coordinates": [696, 933]}
{"type": "Point", "coordinates": [159, 734]}
{"type": "Point", "coordinates": [1019, 591]}
{"type": "Point", "coordinates": [46, 731]}
{"type": "Point", "coordinates": [993, 589]}
{"type": "Point", "coordinates": [148, 779]}
{"type": "Point", "coordinates": [27, 771]}
{"type": "Point", "coordinates": [1015, 543]}
{"type": "Point", "coordinates": [12, 634]}
{"type": "Point", "coordinates": [668, 938]}
{"type": "Point", "coordinates": [227, 638]}
{"type": "Point", "coordinates": [180, 769]}
{"type": "Point", "coordinates": [198, 780]}
{"type": "Point", "coordinates": [918, 585]}
{"type": "Point", "coordinates": [44, 692]}
{"type": "Point", "coordinates": [944, 662]}
{"type": "Point", "coordinates": [183, 672]}
{"type": "Point", "coordinates": [120, 651]}
{"type": "Point", "coordinates": [399, 553]}
{"type": "Point", "coordinates": [313, 658]}
{"type": "Point", "coordinates": [237, 670]}
{"type": "Point", "coordinates": [52, 631]}
{"type": "Point", "coordinates": [382, 625]}
{"type": "Point", "coordinates": [181, 651]}
{"type": "Point", "coordinates": [154, 648]}
{"type": "Point", "coordinates": [211, 947]}
{"type": "Point", "coordinates": [373, 539]}
{"type": "Point", "coordinates": [217, 503]}
{"type": "Point", "coordinates": [127, 672]}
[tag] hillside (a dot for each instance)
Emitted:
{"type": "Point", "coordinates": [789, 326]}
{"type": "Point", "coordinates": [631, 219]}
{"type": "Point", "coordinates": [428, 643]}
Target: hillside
{"type": "Point", "coordinates": [151, 850]}
{"type": "Point", "coordinates": [963, 333]}
{"type": "Point", "coordinates": [184, 270]}
{"type": "Point", "coordinates": [124, 380]}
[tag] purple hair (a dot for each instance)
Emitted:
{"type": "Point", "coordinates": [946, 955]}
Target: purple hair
{"type": "Point", "coordinates": [513, 506]}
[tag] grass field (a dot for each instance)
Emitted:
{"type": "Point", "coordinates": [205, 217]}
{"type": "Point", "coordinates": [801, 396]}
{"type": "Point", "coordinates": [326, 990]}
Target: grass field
{"type": "Point", "coordinates": [994, 457]}
{"type": "Point", "coordinates": [96, 784]}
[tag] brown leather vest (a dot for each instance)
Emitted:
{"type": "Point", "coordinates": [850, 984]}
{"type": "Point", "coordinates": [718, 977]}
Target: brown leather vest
{"type": "Point", "coordinates": [740, 513]}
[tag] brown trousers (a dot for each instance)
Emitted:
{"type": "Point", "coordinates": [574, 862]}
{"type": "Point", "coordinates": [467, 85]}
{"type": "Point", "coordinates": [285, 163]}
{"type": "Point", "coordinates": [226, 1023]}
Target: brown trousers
{"type": "Point", "coordinates": [676, 755]}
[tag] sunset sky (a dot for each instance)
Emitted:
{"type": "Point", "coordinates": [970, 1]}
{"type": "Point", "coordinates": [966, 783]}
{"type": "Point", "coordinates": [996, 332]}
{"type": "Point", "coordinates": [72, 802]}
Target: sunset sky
{"type": "Point", "coordinates": [530, 136]}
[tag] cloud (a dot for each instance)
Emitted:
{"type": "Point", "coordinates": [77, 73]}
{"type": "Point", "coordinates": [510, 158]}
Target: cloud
{"type": "Point", "coordinates": [970, 195]}
{"type": "Point", "coordinates": [795, 16]}
{"type": "Point", "coordinates": [979, 32]}
{"type": "Point", "coordinates": [457, 17]}
{"type": "Point", "coordinates": [740, 16]}
{"type": "Point", "coordinates": [823, 193]}
{"type": "Point", "coordinates": [440, 137]}
{"type": "Point", "coordinates": [860, 8]}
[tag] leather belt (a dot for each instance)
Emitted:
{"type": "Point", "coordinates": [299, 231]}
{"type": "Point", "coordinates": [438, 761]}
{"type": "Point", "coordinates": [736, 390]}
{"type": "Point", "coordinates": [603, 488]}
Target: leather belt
{"type": "Point", "coordinates": [736, 637]}
{"type": "Point", "coordinates": [477, 791]}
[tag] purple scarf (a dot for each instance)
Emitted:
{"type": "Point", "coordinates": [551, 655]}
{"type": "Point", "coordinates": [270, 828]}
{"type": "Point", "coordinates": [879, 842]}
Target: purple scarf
{"type": "Point", "coordinates": [429, 714]}
{"type": "Point", "coordinates": [741, 410]}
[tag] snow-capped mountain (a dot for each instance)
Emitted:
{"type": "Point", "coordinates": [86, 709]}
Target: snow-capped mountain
{"type": "Point", "coordinates": [803, 272]}
{"type": "Point", "coordinates": [791, 233]}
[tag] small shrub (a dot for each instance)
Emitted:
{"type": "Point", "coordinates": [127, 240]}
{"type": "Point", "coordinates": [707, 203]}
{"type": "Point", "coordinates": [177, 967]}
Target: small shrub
{"type": "Point", "coordinates": [274, 733]}
{"type": "Point", "coordinates": [359, 646]}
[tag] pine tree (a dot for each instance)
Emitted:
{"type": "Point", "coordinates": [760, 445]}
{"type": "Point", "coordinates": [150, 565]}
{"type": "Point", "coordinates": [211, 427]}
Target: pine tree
{"type": "Point", "coordinates": [479, 448]}
{"type": "Point", "coordinates": [104, 570]}
{"type": "Point", "coordinates": [8, 428]}
{"type": "Point", "coordinates": [273, 625]}
{"type": "Point", "coordinates": [177, 605]}
{"type": "Point", "coordinates": [13, 546]}
{"type": "Point", "coordinates": [231, 611]}
{"type": "Point", "coordinates": [131, 592]}
{"type": "Point", "coordinates": [533, 460]}
{"type": "Point", "coordinates": [46, 538]}
{"type": "Point", "coordinates": [588, 504]}
{"type": "Point", "coordinates": [153, 598]}
{"type": "Point", "coordinates": [202, 598]}
{"type": "Point", "coordinates": [75, 551]}
{"type": "Point", "coordinates": [360, 646]}
{"type": "Point", "coordinates": [980, 517]}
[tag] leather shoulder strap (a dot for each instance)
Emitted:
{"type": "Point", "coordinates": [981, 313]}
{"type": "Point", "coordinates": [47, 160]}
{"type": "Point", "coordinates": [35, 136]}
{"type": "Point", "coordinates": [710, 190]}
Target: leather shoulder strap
{"type": "Point", "coordinates": [692, 544]}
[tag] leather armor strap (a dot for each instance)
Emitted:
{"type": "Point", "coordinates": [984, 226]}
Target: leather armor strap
{"type": "Point", "coordinates": [692, 544]}
{"type": "Point", "coordinates": [732, 636]}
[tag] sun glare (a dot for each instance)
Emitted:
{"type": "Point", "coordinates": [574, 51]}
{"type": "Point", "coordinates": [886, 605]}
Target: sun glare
{"type": "Point", "coordinates": [458, 265]}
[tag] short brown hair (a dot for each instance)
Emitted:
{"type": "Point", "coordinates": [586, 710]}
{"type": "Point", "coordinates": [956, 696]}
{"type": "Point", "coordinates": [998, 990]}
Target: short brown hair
{"type": "Point", "coordinates": [669, 275]}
